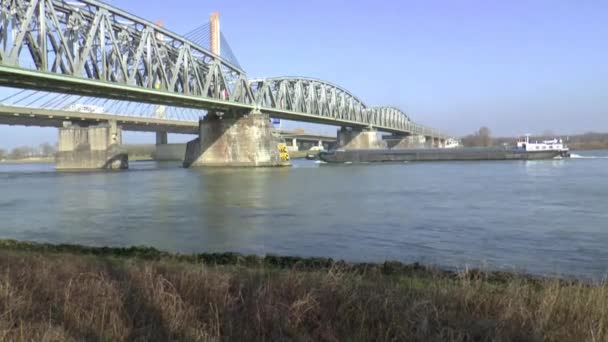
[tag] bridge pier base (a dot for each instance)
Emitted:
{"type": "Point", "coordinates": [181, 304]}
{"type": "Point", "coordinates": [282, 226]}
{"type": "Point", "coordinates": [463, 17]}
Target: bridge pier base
{"type": "Point", "coordinates": [366, 139]}
{"type": "Point", "coordinates": [237, 140]}
{"type": "Point", "coordinates": [403, 142]}
{"type": "Point", "coordinates": [163, 151]}
{"type": "Point", "coordinates": [92, 147]}
{"type": "Point", "coordinates": [294, 145]}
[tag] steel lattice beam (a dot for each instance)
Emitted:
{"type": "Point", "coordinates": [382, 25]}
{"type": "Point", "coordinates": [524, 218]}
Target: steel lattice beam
{"type": "Point", "coordinates": [324, 99]}
{"type": "Point", "coordinates": [86, 47]}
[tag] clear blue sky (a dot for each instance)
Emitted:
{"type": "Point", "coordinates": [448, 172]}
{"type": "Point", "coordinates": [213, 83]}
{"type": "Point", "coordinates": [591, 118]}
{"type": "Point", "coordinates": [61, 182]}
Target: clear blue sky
{"type": "Point", "coordinates": [515, 66]}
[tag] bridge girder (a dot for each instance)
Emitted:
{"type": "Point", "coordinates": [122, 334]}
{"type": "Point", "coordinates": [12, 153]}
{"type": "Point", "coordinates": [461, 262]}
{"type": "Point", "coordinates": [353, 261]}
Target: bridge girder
{"type": "Point", "coordinates": [325, 99]}
{"type": "Point", "coordinates": [87, 47]}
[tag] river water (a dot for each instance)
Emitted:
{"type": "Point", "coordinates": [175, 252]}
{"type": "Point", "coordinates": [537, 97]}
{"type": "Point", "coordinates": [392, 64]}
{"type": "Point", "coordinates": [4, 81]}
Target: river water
{"type": "Point", "coordinates": [544, 217]}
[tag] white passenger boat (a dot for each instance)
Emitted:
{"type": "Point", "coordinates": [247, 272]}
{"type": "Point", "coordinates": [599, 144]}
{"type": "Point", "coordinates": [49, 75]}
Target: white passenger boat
{"type": "Point", "coordinates": [555, 144]}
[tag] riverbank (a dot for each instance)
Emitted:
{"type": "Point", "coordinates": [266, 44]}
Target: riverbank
{"type": "Point", "coordinates": [61, 292]}
{"type": "Point", "coordinates": [52, 160]}
{"type": "Point", "coordinates": [28, 161]}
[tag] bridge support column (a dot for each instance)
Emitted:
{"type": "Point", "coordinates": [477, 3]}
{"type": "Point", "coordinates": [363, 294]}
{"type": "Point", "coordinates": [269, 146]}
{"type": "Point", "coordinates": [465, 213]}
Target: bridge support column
{"type": "Point", "coordinates": [294, 145]}
{"type": "Point", "coordinates": [235, 140]}
{"type": "Point", "coordinates": [366, 139]}
{"type": "Point", "coordinates": [403, 142]}
{"type": "Point", "coordinates": [161, 138]}
{"type": "Point", "coordinates": [168, 152]}
{"type": "Point", "coordinates": [91, 147]}
{"type": "Point", "coordinates": [428, 142]}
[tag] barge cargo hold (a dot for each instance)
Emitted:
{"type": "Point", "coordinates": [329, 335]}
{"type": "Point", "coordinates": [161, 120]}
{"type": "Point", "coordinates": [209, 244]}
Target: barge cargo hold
{"type": "Point", "coordinates": [454, 154]}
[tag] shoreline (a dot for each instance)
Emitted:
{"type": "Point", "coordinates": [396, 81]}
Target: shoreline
{"type": "Point", "coordinates": [272, 261]}
{"type": "Point", "coordinates": [29, 161]}
{"type": "Point", "coordinates": [52, 160]}
{"type": "Point", "coordinates": [283, 262]}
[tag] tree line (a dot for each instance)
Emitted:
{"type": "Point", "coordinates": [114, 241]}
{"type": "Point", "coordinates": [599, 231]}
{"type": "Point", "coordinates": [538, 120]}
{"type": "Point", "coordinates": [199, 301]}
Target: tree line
{"type": "Point", "coordinates": [481, 138]}
{"type": "Point", "coordinates": [45, 150]}
{"type": "Point", "coordinates": [585, 141]}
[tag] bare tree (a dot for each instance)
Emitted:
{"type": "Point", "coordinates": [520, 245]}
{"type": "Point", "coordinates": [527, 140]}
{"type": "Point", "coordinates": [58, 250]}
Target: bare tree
{"type": "Point", "coordinates": [481, 138]}
{"type": "Point", "coordinates": [485, 136]}
{"type": "Point", "coordinates": [21, 152]}
{"type": "Point", "coordinates": [47, 150]}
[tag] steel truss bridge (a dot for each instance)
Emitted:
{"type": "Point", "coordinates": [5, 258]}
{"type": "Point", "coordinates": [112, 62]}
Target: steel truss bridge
{"type": "Point", "coordinates": [88, 49]}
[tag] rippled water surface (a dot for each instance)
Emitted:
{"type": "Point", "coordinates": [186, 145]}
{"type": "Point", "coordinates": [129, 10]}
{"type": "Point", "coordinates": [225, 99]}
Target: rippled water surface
{"type": "Point", "coordinates": [541, 216]}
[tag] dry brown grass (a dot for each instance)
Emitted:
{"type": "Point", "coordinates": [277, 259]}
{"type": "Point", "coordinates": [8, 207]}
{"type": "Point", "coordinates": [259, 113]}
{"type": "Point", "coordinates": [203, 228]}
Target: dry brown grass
{"type": "Point", "coordinates": [47, 296]}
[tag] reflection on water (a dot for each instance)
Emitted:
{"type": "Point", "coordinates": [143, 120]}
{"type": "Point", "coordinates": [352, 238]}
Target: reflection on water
{"type": "Point", "coordinates": [539, 216]}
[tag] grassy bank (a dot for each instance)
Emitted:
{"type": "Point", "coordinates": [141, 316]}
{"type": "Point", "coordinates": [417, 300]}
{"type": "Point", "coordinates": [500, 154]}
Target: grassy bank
{"type": "Point", "coordinates": [75, 293]}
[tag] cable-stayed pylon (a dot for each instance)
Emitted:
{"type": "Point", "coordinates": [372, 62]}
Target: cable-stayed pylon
{"type": "Point", "coordinates": [202, 36]}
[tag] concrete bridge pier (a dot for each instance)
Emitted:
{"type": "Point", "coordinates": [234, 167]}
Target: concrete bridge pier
{"type": "Point", "coordinates": [365, 139]}
{"type": "Point", "coordinates": [404, 141]}
{"type": "Point", "coordinates": [436, 142]}
{"type": "Point", "coordinates": [167, 152]}
{"type": "Point", "coordinates": [161, 138]}
{"type": "Point", "coordinates": [294, 145]}
{"type": "Point", "coordinates": [83, 147]}
{"type": "Point", "coordinates": [235, 139]}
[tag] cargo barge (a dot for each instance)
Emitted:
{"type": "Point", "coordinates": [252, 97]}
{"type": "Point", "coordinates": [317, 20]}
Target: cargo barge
{"type": "Point", "coordinates": [524, 150]}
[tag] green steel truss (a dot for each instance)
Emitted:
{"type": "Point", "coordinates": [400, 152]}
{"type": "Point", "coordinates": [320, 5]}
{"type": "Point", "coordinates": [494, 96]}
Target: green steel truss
{"type": "Point", "coordinates": [89, 48]}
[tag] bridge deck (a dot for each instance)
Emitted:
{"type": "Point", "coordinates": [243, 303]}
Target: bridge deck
{"type": "Point", "coordinates": [31, 79]}
{"type": "Point", "coordinates": [25, 116]}
{"type": "Point", "coordinates": [28, 116]}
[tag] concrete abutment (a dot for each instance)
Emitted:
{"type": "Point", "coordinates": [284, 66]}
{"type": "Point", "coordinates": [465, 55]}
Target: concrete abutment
{"type": "Point", "coordinates": [404, 141]}
{"type": "Point", "coordinates": [236, 140]}
{"type": "Point", "coordinates": [90, 147]}
{"type": "Point", "coordinates": [353, 139]}
{"type": "Point", "coordinates": [433, 142]}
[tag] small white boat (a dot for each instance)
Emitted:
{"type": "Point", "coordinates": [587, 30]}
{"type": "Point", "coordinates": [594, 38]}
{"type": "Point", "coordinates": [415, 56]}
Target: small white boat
{"type": "Point", "coordinates": [555, 144]}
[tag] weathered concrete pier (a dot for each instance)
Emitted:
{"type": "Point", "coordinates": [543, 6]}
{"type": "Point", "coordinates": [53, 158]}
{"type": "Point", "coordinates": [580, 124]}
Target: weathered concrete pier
{"type": "Point", "coordinates": [90, 147]}
{"type": "Point", "coordinates": [235, 140]}
{"type": "Point", "coordinates": [411, 141]}
{"type": "Point", "coordinates": [359, 139]}
{"type": "Point", "coordinates": [404, 141]}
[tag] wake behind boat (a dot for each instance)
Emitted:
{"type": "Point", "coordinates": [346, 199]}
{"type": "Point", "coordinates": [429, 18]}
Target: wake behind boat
{"type": "Point", "coordinates": [524, 150]}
